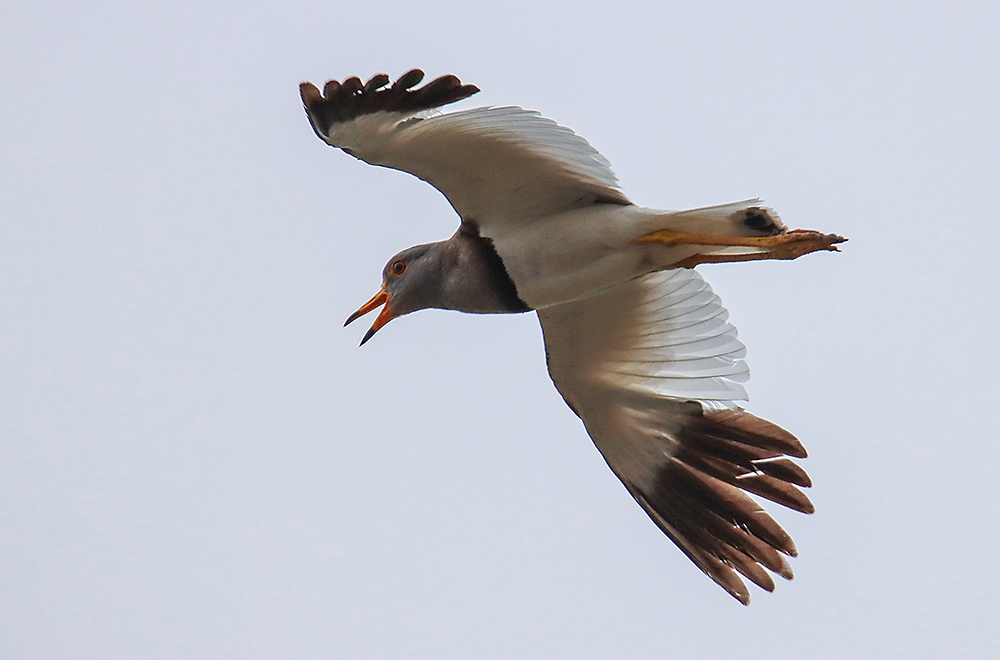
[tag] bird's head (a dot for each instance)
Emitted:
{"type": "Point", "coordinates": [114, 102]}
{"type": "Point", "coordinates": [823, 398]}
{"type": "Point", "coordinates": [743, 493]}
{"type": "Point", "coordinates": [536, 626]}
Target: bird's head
{"type": "Point", "coordinates": [410, 281]}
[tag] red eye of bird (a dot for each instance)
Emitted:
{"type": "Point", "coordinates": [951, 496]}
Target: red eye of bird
{"type": "Point", "coordinates": [398, 267]}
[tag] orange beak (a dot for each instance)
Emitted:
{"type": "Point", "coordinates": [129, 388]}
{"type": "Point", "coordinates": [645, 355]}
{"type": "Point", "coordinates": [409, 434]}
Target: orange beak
{"type": "Point", "coordinates": [382, 297]}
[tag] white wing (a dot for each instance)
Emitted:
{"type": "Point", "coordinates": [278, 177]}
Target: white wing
{"type": "Point", "coordinates": [665, 335]}
{"type": "Point", "coordinates": [653, 368]}
{"type": "Point", "coordinates": [495, 165]}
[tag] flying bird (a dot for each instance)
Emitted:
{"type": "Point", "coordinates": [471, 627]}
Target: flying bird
{"type": "Point", "coordinates": [636, 341]}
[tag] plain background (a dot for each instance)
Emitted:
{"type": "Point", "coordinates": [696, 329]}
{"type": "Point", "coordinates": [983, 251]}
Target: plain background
{"type": "Point", "coordinates": [197, 461]}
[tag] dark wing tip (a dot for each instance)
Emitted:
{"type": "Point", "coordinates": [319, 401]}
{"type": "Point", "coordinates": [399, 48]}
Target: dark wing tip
{"type": "Point", "coordinates": [378, 81]}
{"type": "Point", "coordinates": [409, 79]}
{"type": "Point", "coordinates": [699, 498]}
{"type": "Point", "coordinates": [310, 94]}
{"type": "Point", "coordinates": [344, 101]}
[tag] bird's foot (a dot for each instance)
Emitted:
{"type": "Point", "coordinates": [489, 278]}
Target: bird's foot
{"type": "Point", "coordinates": [786, 245]}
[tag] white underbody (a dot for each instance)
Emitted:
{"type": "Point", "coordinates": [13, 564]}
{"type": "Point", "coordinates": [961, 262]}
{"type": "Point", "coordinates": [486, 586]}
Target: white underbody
{"type": "Point", "coordinates": [586, 251]}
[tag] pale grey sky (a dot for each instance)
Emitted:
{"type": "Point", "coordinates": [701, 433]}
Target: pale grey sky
{"type": "Point", "coordinates": [197, 461]}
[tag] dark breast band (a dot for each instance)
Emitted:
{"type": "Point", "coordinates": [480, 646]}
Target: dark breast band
{"type": "Point", "coordinates": [496, 277]}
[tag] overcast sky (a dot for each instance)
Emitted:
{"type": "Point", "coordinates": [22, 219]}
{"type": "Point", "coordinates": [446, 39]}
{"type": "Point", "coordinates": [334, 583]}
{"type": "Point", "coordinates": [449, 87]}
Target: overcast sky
{"type": "Point", "coordinates": [197, 460]}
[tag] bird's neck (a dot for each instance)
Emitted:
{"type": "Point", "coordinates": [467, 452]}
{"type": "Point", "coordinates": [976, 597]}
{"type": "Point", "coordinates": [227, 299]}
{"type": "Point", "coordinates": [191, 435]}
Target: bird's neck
{"type": "Point", "coordinates": [474, 279]}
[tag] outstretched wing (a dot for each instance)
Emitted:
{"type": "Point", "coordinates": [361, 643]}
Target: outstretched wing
{"type": "Point", "coordinates": [495, 165]}
{"type": "Point", "coordinates": [654, 370]}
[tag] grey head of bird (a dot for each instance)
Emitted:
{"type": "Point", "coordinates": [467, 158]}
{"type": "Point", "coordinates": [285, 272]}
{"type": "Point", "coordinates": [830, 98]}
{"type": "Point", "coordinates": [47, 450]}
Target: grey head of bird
{"type": "Point", "coordinates": [411, 280]}
{"type": "Point", "coordinates": [463, 273]}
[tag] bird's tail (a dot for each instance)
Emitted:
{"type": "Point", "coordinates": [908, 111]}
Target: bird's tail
{"type": "Point", "coordinates": [736, 219]}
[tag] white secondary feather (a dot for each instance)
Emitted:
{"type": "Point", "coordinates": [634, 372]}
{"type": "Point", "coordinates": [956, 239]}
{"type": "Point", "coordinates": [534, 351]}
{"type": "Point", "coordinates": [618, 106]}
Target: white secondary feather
{"type": "Point", "coordinates": [495, 165]}
{"type": "Point", "coordinates": [628, 361]}
{"type": "Point", "coordinates": [663, 335]}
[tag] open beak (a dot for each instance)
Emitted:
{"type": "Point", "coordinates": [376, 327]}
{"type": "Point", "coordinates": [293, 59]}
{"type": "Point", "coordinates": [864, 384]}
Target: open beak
{"type": "Point", "coordinates": [382, 297]}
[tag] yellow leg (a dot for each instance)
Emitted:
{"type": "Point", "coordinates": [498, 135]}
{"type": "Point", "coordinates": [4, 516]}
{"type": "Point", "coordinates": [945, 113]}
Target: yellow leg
{"type": "Point", "coordinates": [787, 245]}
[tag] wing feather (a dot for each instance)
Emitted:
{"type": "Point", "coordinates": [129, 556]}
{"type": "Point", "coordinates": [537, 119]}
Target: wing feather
{"type": "Point", "coordinates": [666, 334]}
{"type": "Point", "coordinates": [654, 370]}
{"type": "Point", "coordinates": [495, 165]}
